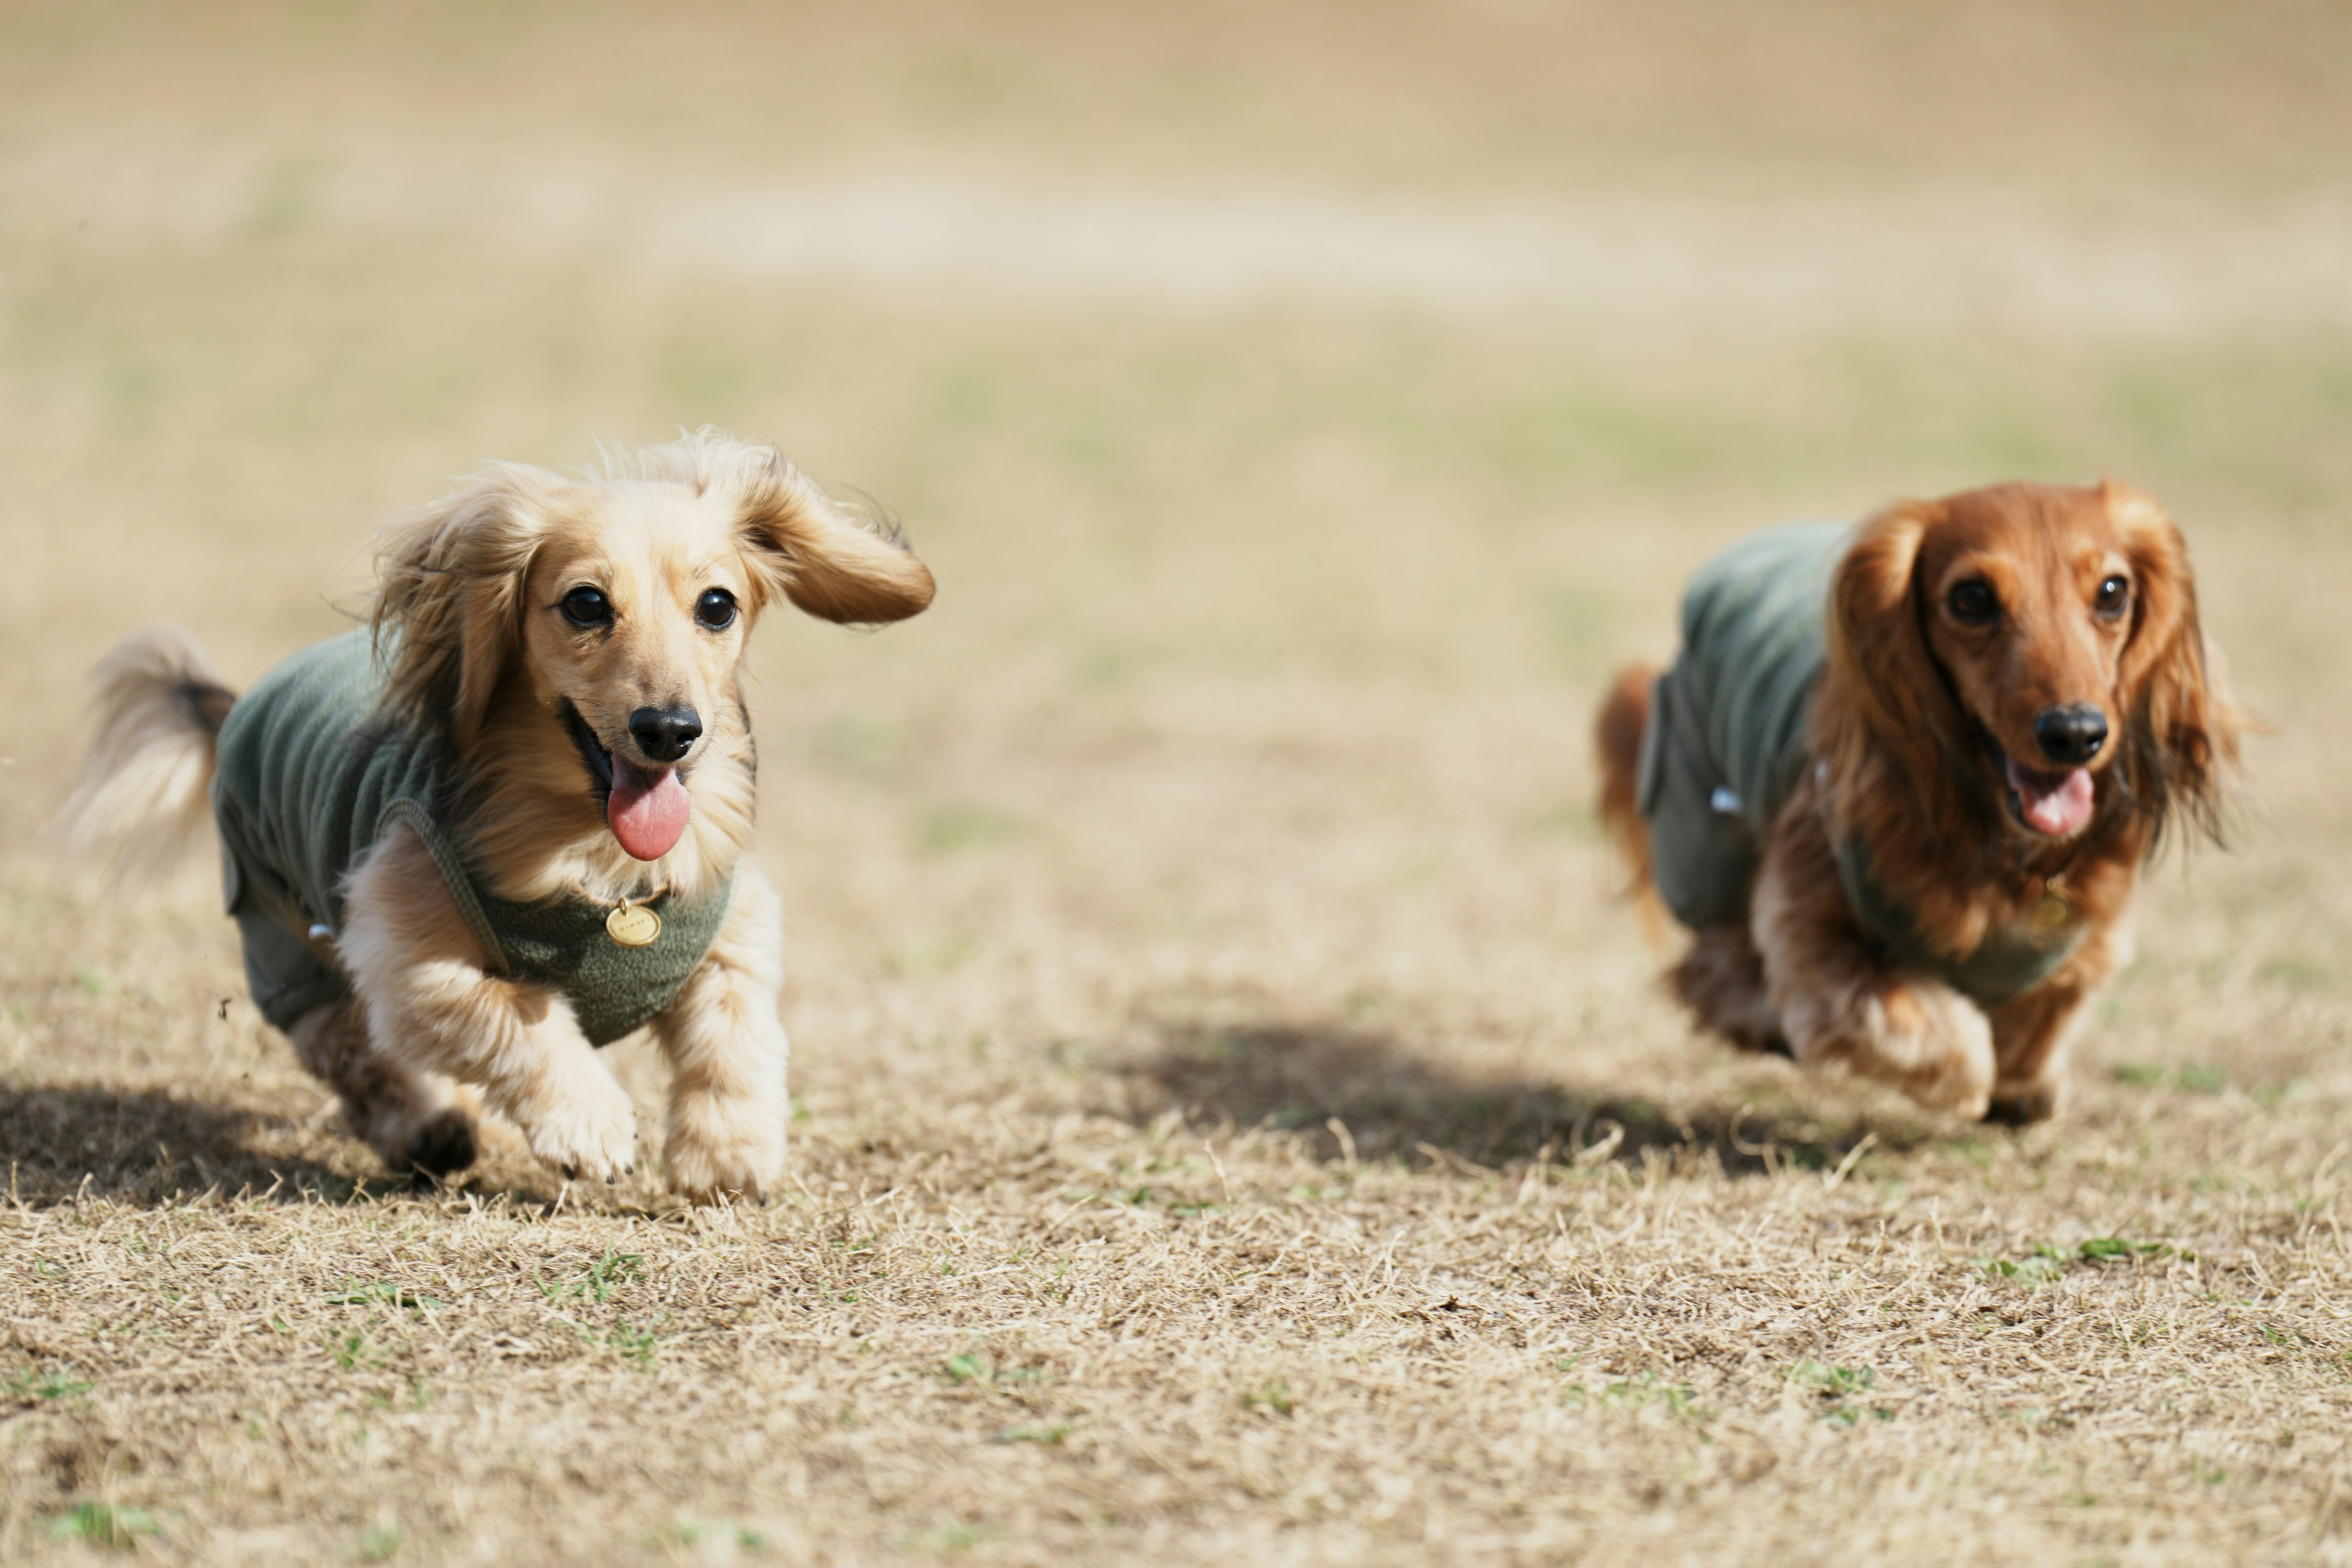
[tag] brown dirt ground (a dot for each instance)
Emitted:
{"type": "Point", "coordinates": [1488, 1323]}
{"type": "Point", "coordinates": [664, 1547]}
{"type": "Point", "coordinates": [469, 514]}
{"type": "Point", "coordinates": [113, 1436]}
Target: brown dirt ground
{"type": "Point", "coordinates": [1235, 1122]}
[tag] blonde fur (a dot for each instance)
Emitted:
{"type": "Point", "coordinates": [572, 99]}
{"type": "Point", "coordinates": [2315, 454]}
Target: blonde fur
{"type": "Point", "coordinates": [483, 664]}
{"type": "Point", "coordinates": [143, 798]}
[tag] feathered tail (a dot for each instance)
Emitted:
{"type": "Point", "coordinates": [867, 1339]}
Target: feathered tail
{"type": "Point", "coordinates": [144, 794]}
{"type": "Point", "coordinates": [1617, 746]}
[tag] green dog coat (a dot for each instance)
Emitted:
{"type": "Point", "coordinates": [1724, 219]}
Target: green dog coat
{"type": "Point", "coordinates": [311, 774]}
{"type": "Point", "coordinates": [1729, 738]}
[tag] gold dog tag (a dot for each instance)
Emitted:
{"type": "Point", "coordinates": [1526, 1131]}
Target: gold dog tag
{"type": "Point", "coordinates": [634, 925]}
{"type": "Point", "coordinates": [2052, 910]}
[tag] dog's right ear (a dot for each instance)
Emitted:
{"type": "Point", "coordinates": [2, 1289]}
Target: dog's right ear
{"type": "Point", "coordinates": [448, 605]}
{"type": "Point", "coordinates": [1884, 702]}
{"type": "Point", "coordinates": [810, 548]}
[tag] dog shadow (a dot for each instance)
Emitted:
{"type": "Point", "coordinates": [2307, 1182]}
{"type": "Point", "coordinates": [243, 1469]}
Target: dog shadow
{"type": "Point", "coordinates": [1393, 1102]}
{"type": "Point", "coordinates": [61, 1142]}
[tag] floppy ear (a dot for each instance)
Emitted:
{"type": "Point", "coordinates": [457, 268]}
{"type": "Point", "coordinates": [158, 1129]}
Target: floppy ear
{"type": "Point", "coordinates": [1883, 701]}
{"type": "Point", "coordinates": [2183, 731]}
{"type": "Point", "coordinates": [820, 555]}
{"type": "Point", "coordinates": [448, 606]}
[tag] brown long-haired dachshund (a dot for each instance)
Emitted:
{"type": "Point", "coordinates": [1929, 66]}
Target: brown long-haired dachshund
{"type": "Point", "coordinates": [1901, 779]}
{"type": "Point", "coordinates": [509, 821]}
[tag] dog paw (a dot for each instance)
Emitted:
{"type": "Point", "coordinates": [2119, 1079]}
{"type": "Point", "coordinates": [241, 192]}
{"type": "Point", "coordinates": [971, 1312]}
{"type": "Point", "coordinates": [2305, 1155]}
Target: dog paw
{"type": "Point", "coordinates": [1933, 1044]}
{"type": "Point", "coordinates": [412, 1134]}
{"type": "Point", "coordinates": [592, 1134]}
{"type": "Point", "coordinates": [2022, 1105]}
{"type": "Point", "coordinates": [731, 1148]}
{"type": "Point", "coordinates": [442, 1147]}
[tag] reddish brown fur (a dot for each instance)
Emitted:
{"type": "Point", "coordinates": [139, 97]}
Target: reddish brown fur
{"type": "Point", "coordinates": [1911, 698]}
{"type": "Point", "coordinates": [1617, 743]}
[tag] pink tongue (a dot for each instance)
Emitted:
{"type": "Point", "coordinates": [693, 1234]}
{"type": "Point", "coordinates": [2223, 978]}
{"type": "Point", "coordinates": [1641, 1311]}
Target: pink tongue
{"type": "Point", "coordinates": [2056, 804]}
{"type": "Point", "coordinates": [647, 808]}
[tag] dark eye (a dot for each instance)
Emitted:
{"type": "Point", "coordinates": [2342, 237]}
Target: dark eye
{"type": "Point", "coordinates": [586, 606]}
{"type": "Point", "coordinates": [2113, 598]}
{"type": "Point", "coordinates": [715, 609]}
{"type": "Point", "coordinates": [1974, 603]}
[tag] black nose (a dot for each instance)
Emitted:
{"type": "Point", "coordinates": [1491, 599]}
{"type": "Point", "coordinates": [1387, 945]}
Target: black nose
{"type": "Point", "coordinates": [2072, 735]}
{"type": "Point", "coordinates": [665, 735]}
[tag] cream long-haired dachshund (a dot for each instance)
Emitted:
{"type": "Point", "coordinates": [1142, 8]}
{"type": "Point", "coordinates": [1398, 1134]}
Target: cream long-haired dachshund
{"type": "Point", "coordinates": [1902, 779]}
{"type": "Point", "coordinates": [506, 823]}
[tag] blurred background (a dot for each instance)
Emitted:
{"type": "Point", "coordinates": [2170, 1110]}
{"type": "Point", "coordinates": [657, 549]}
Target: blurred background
{"type": "Point", "coordinates": [1302, 405]}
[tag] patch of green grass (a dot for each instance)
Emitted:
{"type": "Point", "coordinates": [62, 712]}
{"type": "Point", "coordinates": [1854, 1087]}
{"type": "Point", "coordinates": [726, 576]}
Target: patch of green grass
{"type": "Point", "coordinates": [2198, 1077]}
{"type": "Point", "coordinates": [1839, 1389]}
{"type": "Point", "coordinates": [707, 1532]}
{"type": "Point", "coordinates": [39, 1387]}
{"type": "Point", "coordinates": [971, 1368]}
{"type": "Point", "coordinates": [2046, 1263]}
{"type": "Point", "coordinates": [354, 1352]}
{"type": "Point", "coordinates": [1273, 1398]}
{"type": "Point", "coordinates": [1643, 1389]}
{"type": "Point", "coordinates": [2191, 1078]}
{"type": "Point", "coordinates": [638, 1342]}
{"type": "Point", "coordinates": [1834, 1382]}
{"type": "Point", "coordinates": [1057, 1433]}
{"type": "Point", "coordinates": [420, 1396]}
{"type": "Point", "coordinates": [103, 1524]}
{"type": "Point", "coordinates": [2039, 1268]}
{"type": "Point", "coordinates": [354, 1294]}
{"type": "Point", "coordinates": [2100, 1247]}
{"type": "Point", "coordinates": [601, 1281]}
{"type": "Point", "coordinates": [377, 1543]}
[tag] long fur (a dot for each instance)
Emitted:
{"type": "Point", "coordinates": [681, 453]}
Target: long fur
{"type": "Point", "coordinates": [481, 664]}
{"type": "Point", "coordinates": [143, 798]}
{"type": "Point", "coordinates": [1617, 734]}
{"type": "Point", "coordinates": [1904, 739]}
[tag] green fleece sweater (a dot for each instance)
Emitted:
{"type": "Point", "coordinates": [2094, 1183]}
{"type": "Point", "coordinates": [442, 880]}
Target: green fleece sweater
{"type": "Point", "coordinates": [311, 776]}
{"type": "Point", "coordinates": [1730, 740]}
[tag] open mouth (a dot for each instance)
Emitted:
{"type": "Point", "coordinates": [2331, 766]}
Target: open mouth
{"type": "Point", "coordinates": [593, 754]}
{"type": "Point", "coordinates": [2057, 805]}
{"type": "Point", "coordinates": [646, 807]}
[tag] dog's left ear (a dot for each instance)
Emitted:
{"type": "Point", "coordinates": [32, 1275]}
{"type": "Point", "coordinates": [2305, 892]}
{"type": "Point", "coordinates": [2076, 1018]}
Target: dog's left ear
{"type": "Point", "coordinates": [449, 592]}
{"type": "Point", "coordinates": [2183, 729]}
{"type": "Point", "coordinates": [812, 549]}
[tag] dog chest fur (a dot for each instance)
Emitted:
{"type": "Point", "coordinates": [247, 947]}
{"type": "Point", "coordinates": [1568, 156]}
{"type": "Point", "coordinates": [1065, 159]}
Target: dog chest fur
{"type": "Point", "coordinates": [312, 772]}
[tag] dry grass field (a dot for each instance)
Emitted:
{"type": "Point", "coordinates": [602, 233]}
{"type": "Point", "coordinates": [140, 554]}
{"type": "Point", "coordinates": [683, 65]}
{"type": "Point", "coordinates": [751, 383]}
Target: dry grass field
{"type": "Point", "coordinates": [1234, 1121]}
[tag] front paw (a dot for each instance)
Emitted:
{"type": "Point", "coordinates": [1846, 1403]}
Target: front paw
{"type": "Point", "coordinates": [1940, 1045]}
{"type": "Point", "coordinates": [2022, 1105]}
{"type": "Point", "coordinates": [725, 1148]}
{"type": "Point", "coordinates": [591, 1132]}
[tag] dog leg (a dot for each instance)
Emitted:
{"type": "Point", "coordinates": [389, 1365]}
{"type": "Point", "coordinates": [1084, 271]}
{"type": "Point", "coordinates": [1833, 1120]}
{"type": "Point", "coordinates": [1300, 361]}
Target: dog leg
{"type": "Point", "coordinates": [1839, 1005]}
{"type": "Point", "coordinates": [2034, 1035]}
{"type": "Point", "coordinates": [415, 1122]}
{"type": "Point", "coordinates": [726, 1052]}
{"type": "Point", "coordinates": [432, 1005]}
{"type": "Point", "coordinates": [1721, 981]}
